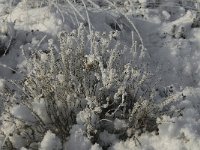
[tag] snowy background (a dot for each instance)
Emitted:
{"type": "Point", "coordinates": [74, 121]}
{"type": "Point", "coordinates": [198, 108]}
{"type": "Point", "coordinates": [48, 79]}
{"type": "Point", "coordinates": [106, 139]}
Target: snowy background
{"type": "Point", "coordinates": [168, 29]}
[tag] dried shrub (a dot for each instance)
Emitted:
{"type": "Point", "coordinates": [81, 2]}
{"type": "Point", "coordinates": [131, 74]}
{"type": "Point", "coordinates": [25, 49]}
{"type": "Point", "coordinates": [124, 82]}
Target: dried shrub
{"type": "Point", "coordinates": [89, 79]}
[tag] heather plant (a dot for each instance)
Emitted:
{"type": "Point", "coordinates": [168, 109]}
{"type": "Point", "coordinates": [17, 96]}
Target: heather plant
{"type": "Point", "coordinates": [91, 79]}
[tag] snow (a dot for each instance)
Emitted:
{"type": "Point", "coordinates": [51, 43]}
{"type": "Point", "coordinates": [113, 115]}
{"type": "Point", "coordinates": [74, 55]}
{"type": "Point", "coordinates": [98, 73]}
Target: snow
{"type": "Point", "coordinates": [119, 124]}
{"type": "Point", "coordinates": [77, 140]}
{"type": "Point", "coordinates": [2, 83]}
{"type": "Point", "coordinates": [107, 138]}
{"type": "Point", "coordinates": [50, 142]}
{"type": "Point", "coordinates": [174, 52]}
{"type": "Point", "coordinates": [95, 147]}
{"type": "Point", "coordinates": [166, 15]}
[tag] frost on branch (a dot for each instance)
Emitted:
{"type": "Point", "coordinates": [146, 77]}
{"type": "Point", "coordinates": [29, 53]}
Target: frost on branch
{"type": "Point", "coordinates": [92, 80]}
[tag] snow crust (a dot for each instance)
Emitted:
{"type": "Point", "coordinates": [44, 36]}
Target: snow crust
{"type": "Point", "coordinates": [176, 59]}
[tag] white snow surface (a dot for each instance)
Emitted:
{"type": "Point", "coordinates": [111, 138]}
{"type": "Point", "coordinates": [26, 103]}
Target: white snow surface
{"type": "Point", "coordinates": [175, 60]}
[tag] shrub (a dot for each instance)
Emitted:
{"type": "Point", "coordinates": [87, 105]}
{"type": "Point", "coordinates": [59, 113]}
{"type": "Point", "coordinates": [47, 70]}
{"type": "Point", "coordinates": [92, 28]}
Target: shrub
{"type": "Point", "coordinates": [89, 79]}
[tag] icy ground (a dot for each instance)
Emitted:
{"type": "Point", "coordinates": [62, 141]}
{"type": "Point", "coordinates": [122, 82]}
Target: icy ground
{"type": "Point", "coordinates": [167, 32]}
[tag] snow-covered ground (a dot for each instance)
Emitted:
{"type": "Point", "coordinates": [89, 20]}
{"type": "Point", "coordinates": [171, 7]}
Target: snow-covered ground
{"type": "Point", "coordinates": [168, 29]}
